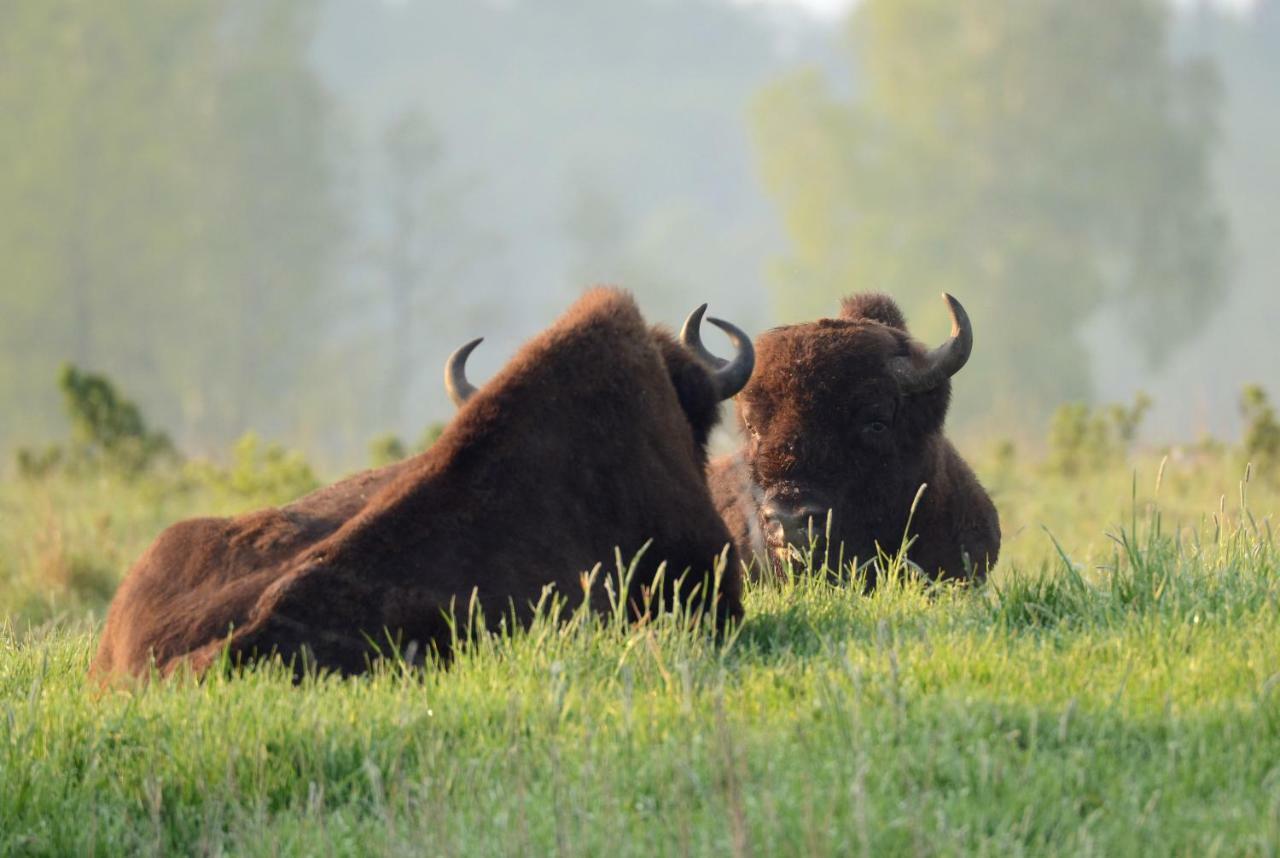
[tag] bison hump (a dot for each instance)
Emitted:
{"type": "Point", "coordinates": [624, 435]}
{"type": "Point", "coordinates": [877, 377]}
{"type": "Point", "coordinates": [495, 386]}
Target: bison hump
{"type": "Point", "coordinates": [875, 307]}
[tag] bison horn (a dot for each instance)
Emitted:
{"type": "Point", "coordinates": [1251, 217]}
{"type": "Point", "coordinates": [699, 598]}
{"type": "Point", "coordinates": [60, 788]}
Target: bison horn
{"type": "Point", "coordinates": [455, 374]}
{"type": "Point", "coordinates": [729, 376]}
{"type": "Point", "coordinates": [941, 363]}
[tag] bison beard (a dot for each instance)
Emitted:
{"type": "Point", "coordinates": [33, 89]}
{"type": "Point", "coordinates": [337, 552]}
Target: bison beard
{"type": "Point", "coordinates": [846, 415]}
{"type": "Point", "coordinates": [592, 439]}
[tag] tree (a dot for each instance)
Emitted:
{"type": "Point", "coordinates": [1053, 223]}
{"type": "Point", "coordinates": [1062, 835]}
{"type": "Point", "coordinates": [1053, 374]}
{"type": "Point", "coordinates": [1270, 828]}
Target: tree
{"type": "Point", "coordinates": [608, 247]}
{"type": "Point", "coordinates": [97, 100]}
{"type": "Point", "coordinates": [166, 212]}
{"type": "Point", "coordinates": [274, 228]}
{"type": "Point", "coordinates": [1041, 159]}
{"type": "Point", "coordinates": [424, 246]}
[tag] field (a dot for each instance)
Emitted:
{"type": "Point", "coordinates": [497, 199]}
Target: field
{"type": "Point", "coordinates": [1114, 690]}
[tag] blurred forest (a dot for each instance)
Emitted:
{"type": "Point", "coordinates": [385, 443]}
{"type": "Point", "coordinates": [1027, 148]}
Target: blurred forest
{"type": "Point", "coordinates": [1040, 159]}
{"type": "Point", "coordinates": [282, 215]}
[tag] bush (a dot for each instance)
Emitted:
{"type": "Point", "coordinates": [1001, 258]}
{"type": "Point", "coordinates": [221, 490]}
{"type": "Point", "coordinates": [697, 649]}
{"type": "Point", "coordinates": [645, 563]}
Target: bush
{"type": "Point", "coordinates": [1084, 440]}
{"type": "Point", "coordinates": [1261, 431]}
{"type": "Point", "coordinates": [38, 464]}
{"type": "Point", "coordinates": [387, 449]}
{"type": "Point", "coordinates": [267, 473]}
{"type": "Point", "coordinates": [107, 433]}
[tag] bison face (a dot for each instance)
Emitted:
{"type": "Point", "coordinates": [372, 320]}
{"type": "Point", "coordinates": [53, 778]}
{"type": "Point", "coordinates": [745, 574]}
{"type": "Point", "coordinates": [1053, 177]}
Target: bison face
{"type": "Point", "coordinates": [837, 418]}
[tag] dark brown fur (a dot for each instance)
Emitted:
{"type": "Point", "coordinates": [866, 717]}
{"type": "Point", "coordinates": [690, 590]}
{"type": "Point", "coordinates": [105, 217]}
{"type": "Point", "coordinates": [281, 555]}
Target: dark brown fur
{"type": "Point", "coordinates": [810, 415]}
{"type": "Point", "coordinates": [592, 438]}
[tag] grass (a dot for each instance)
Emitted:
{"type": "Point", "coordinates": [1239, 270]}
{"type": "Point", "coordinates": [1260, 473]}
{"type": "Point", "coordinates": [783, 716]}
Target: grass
{"type": "Point", "coordinates": [1117, 692]}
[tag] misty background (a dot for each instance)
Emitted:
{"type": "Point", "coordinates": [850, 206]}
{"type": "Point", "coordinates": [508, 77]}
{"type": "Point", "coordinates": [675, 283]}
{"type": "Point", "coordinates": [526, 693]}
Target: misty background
{"type": "Point", "coordinates": [283, 215]}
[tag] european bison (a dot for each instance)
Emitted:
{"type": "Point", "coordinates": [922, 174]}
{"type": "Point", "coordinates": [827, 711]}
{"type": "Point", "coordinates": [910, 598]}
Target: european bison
{"type": "Point", "coordinates": [846, 415]}
{"type": "Point", "coordinates": [591, 440]}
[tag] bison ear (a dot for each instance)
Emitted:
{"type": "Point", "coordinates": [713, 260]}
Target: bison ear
{"type": "Point", "coordinates": [875, 307]}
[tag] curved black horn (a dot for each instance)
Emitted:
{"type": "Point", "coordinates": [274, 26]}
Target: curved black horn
{"type": "Point", "coordinates": [729, 376]}
{"type": "Point", "coordinates": [455, 374]}
{"type": "Point", "coordinates": [941, 363]}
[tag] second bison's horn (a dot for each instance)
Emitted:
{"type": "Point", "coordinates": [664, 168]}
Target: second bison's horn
{"type": "Point", "coordinates": [917, 376]}
{"type": "Point", "coordinates": [729, 376]}
{"type": "Point", "coordinates": [455, 374]}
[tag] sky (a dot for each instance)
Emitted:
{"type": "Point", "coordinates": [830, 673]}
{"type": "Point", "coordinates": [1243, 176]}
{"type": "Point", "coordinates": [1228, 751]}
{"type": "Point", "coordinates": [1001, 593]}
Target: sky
{"type": "Point", "coordinates": [821, 8]}
{"type": "Point", "coordinates": [825, 8]}
{"type": "Point", "coordinates": [835, 8]}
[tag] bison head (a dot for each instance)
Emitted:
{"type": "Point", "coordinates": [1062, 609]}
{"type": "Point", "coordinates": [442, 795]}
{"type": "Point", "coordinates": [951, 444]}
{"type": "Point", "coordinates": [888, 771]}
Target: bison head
{"type": "Point", "coordinates": [699, 391]}
{"type": "Point", "coordinates": [837, 419]}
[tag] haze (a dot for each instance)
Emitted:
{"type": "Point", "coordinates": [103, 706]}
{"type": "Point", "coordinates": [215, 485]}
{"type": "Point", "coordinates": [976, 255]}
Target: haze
{"type": "Point", "coordinates": [283, 216]}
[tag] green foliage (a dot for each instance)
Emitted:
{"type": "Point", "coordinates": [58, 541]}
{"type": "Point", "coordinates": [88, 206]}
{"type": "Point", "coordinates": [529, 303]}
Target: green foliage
{"type": "Point", "coordinates": [267, 473]}
{"type": "Point", "coordinates": [386, 449]}
{"type": "Point", "coordinates": [106, 425]}
{"type": "Point", "coordinates": [67, 538]}
{"type": "Point", "coordinates": [1036, 158]}
{"type": "Point", "coordinates": [36, 464]}
{"type": "Point", "coordinates": [1004, 459]}
{"type": "Point", "coordinates": [430, 435]}
{"type": "Point", "coordinates": [1084, 439]}
{"type": "Point", "coordinates": [107, 431]}
{"type": "Point", "coordinates": [1262, 431]}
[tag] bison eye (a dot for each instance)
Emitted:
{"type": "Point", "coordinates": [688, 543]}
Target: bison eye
{"type": "Point", "coordinates": [876, 427]}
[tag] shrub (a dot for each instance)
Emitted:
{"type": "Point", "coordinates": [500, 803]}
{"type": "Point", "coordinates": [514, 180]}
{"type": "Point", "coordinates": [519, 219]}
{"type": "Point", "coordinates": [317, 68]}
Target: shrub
{"type": "Point", "coordinates": [267, 473]}
{"type": "Point", "coordinates": [107, 432]}
{"type": "Point", "coordinates": [387, 449]}
{"type": "Point", "coordinates": [1261, 431]}
{"type": "Point", "coordinates": [38, 464]}
{"type": "Point", "coordinates": [430, 435]}
{"type": "Point", "coordinates": [1084, 440]}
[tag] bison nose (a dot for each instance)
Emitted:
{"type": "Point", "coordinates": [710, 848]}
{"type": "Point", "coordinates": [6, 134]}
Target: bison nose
{"type": "Point", "coordinates": [795, 524]}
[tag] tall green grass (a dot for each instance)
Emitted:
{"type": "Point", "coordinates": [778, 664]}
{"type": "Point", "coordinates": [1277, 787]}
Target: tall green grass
{"type": "Point", "coordinates": [1113, 692]}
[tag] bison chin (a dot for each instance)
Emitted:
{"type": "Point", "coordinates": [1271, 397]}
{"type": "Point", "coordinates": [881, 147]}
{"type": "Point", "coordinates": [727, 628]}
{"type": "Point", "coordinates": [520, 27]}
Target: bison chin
{"type": "Point", "coordinates": [794, 522]}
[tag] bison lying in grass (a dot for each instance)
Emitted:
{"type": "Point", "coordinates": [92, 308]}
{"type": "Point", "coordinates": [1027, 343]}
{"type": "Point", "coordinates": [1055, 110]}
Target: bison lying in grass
{"type": "Point", "coordinates": [845, 416]}
{"type": "Point", "coordinates": [591, 440]}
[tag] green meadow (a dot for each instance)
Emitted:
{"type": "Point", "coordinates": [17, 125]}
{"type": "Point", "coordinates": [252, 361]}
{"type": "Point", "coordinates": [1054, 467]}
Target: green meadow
{"type": "Point", "coordinates": [285, 215]}
{"type": "Point", "coordinates": [1113, 689]}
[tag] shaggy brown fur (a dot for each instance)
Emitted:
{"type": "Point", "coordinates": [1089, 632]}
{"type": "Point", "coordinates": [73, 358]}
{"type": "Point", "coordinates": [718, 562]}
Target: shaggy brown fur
{"type": "Point", "coordinates": [592, 438]}
{"type": "Point", "coordinates": [828, 428]}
